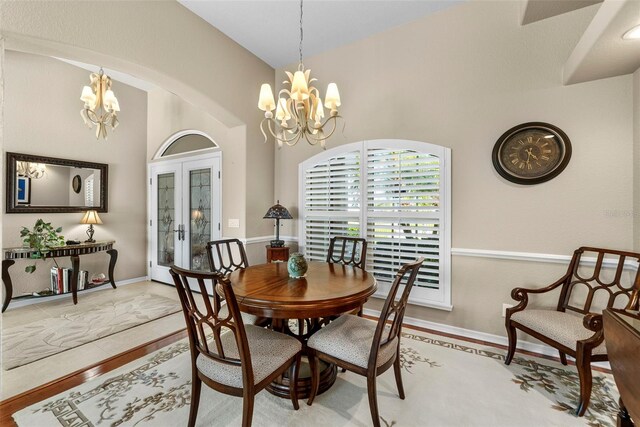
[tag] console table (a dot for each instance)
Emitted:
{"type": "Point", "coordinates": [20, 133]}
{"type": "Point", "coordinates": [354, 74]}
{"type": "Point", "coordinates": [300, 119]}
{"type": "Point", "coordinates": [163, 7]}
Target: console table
{"type": "Point", "coordinates": [71, 251]}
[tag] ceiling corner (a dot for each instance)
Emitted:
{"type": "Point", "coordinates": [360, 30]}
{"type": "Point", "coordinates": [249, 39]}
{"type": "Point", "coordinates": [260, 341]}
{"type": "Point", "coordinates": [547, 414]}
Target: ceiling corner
{"type": "Point", "coordinates": [537, 10]}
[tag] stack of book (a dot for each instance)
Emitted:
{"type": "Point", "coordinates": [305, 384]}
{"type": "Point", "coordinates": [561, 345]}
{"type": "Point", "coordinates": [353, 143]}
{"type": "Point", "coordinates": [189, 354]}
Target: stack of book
{"type": "Point", "coordinates": [61, 280]}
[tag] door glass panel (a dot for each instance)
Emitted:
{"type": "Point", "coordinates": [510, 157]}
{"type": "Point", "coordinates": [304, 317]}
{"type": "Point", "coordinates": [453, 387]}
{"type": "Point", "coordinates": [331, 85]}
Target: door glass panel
{"type": "Point", "coordinates": [166, 219]}
{"type": "Point", "coordinates": [200, 208]}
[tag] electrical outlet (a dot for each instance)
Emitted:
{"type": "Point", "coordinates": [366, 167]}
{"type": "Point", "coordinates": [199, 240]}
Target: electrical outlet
{"type": "Point", "coordinates": [504, 309]}
{"type": "Point", "coordinates": [234, 223]}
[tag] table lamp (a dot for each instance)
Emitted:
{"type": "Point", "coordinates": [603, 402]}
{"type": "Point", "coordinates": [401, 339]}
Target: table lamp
{"type": "Point", "coordinates": [277, 212]}
{"type": "Point", "coordinates": [90, 217]}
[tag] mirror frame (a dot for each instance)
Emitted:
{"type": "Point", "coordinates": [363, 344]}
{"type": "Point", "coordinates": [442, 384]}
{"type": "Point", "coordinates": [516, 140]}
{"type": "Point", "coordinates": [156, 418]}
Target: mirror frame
{"type": "Point", "coordinates": [12, 207]}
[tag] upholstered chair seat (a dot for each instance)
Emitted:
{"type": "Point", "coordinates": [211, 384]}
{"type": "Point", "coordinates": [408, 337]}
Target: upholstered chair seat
{"type": "Point", "coordinates": [349, 338]}
{"type": "Point", "coordinates": [564, 328]}
{"type": "Point", "coordinates": [269, 351]}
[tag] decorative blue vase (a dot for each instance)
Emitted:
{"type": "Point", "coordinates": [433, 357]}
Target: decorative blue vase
{"type": "Point", "coordinates": [297, 265]}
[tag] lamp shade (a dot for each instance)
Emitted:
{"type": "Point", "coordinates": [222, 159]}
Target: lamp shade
{"type": "Point", "coordinates": [266, 101]}
{"type": "Point", "coordinates": [277, 211]}
{"type": "Point", "coordinates": [91, 217]}
{"type": "Point", "coordinates": [332, 98]}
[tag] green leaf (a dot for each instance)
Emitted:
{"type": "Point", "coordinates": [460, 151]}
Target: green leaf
{"type": "Point", "coordinates": [59, 230]}
{"type": "Point", "coordinates": [30, 268]}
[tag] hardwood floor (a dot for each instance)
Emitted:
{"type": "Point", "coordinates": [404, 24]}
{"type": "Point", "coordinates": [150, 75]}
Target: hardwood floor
{"type": "Point", "coordinates": [45, 391]}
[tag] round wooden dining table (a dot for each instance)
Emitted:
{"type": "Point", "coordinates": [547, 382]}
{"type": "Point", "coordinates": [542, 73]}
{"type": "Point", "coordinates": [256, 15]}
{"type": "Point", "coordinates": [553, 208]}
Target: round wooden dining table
{"type": "Point", "coordinates": [266, 290]}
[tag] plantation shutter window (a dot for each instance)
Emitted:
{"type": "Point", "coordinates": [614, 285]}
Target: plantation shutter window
{"type": "Point", "coordinates": [332, 202]}
{"type": "Point", "coordinates": [393, 193]}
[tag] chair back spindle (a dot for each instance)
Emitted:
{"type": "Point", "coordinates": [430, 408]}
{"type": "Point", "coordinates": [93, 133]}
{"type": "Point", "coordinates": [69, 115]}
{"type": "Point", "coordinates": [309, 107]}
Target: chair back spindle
{"type": "Point", "coordinates": [204, 322]}
{"type": "Point", "coordinates": [348, 251]}
{"type": "Point", "coordinates": [226, 256]}
{"type": "Point", "coordinates": [585, 286]}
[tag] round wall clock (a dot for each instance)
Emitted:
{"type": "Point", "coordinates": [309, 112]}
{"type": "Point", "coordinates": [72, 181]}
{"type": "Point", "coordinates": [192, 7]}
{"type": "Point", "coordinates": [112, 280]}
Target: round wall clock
{"type": "Point", "coordinates": [531, 153]}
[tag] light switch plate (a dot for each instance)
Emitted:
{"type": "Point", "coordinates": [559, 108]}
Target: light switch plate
{"type": "Point", "coordinates": [234, 223]}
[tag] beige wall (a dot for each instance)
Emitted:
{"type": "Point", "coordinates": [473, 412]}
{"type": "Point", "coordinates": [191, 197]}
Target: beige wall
{"type": "Point", "coordinates": [636, 161]}
{"type": "Point", "coordinates": [51, 189]}
{"type": "Point", "coordinates": [42, 117]}
{"type": "Point", "coordinates": [168, 114]}
{"type": "Point", "coordinates": [165, 44]}
{"type": "Point", "coordinates": [460, 78]}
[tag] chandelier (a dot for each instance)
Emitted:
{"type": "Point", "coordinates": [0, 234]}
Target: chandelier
{"type": "Point", "coordinates": [100, 104]}
{"type": "Point", "coordinates": [31, 170]}
{"type": "Point", "coordinates": [299, 111]}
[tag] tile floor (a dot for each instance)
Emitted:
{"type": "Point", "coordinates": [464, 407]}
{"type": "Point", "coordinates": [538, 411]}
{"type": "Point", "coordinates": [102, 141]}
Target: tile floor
{"type": "Point", "coordinates": [34, 374]}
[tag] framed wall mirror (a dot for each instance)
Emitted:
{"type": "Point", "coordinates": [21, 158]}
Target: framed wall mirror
{"type": "Point", "coordinates": [37, 184]}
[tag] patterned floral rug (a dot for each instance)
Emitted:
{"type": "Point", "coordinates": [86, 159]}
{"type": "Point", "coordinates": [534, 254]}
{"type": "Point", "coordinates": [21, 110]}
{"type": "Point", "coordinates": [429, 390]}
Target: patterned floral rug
{"type": "Point", "coordinates": [447, 383]}
{"type": "Point", "coordinates": [87, 322]}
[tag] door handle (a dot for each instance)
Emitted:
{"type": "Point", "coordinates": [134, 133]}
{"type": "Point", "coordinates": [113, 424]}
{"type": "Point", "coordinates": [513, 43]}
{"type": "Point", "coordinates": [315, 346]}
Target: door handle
{"type": "Point", "coordinates": [180, 232]}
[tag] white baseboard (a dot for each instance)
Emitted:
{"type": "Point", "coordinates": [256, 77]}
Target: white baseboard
{"type": "Point", "coordinates": [30, 301]}
{"type": "Point", "coordinates": [537, 348]}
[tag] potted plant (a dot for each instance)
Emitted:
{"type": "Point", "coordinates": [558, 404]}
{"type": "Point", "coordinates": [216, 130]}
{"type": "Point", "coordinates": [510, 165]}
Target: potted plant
{"type": "Point", "coordinates": [42, 238]}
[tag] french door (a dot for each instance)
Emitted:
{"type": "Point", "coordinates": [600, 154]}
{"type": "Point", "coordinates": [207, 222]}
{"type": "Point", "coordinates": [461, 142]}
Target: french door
{"type": "Point", "coordinates": [185, 210]}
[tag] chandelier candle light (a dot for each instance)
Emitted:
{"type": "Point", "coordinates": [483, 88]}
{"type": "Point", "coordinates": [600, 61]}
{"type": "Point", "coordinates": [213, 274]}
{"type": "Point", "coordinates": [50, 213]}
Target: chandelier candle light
{"type": "Point", "coordinates": [299, 111]}
{"type": "Point", "coordinates": [31, 170]}
{"type": "Point", "coordinates": [100, 104]}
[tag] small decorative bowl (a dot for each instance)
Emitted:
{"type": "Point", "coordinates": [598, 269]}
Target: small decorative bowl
{"type": "Point", "coordinates": [98, 278]}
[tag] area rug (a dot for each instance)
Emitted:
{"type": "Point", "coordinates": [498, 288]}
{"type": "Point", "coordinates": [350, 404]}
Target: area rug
{"type": "Point", "coordinates": [447, 383]}
{"type": "Point", "coordinates": [34, 341]}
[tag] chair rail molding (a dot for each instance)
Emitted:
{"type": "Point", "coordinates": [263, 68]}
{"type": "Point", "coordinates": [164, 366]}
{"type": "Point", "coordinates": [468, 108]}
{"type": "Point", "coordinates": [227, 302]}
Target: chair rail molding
{"type": "Point", "coordinates": [532, 257]}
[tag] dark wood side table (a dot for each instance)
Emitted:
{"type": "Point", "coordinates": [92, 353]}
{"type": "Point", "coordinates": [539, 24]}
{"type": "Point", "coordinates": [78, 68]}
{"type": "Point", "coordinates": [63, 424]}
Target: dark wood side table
{"type": "Point", "coordinates": [277, 254]}
{"type": "Point", "coordinates": [622, 333]}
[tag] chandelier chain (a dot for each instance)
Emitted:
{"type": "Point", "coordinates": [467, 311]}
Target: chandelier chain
{"type": "Point", "coordinates": [299, 110]}
{"type": "Point", "coordinates": [301, 32]}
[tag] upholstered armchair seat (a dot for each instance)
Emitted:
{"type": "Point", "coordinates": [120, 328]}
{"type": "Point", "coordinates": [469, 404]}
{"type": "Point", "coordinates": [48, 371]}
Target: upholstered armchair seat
{"type": "Point", "coordinates": [349, 338]}
{"type": "Point", "coordinates": [562, 327]}
{"type": "Point", "coordinates": [269, 351]}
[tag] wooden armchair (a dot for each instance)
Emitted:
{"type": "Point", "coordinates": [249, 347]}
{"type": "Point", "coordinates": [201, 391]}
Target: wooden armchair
{"type": "Point", "coordinates": [575, 326]}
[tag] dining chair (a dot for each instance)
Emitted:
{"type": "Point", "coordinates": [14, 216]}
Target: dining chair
{"type": "Point", "coordinates": [365, 347]}
{"type": "Point", "coordinates": [574, 326]}
{"type": "Point", "coordinates": [225, 257]}
{"type": "Point", "coordinates": [348, 251]}
{"type": "Point", "coordinates": [227, 355]}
